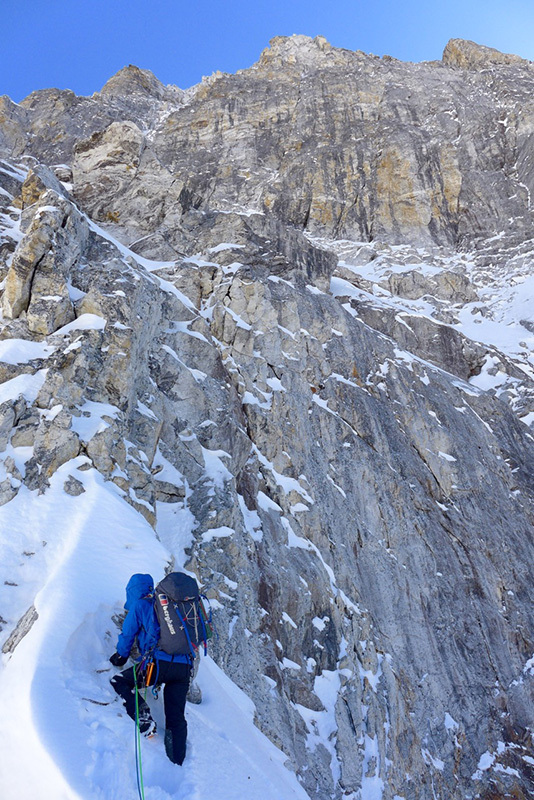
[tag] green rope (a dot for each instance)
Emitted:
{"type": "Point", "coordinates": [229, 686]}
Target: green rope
{"type": "Point", "coordinates": [138, 763]}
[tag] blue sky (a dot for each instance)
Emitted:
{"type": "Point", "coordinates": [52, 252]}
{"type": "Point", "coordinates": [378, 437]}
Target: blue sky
{"type": "Point", "coordinates": [78, 45]}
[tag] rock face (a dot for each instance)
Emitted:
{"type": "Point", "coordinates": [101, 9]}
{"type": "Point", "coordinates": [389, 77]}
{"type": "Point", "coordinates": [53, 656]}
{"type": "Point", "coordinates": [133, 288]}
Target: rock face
{"type": "Point", "coordinates": [342, 144]}
{"type": "Point", "coordinates": [469, 55]}
{"type": "Point", "coordinates": [255, 300]}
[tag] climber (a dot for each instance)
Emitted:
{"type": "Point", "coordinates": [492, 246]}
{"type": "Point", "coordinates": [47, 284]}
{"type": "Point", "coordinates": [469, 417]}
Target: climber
{"type": "Point", "coordinates": [174, 671]}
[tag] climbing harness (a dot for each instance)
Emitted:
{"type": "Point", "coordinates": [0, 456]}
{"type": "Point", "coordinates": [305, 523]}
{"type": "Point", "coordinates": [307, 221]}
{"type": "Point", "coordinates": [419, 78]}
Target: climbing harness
{"type": "Point", "coordinates": [148, 664]}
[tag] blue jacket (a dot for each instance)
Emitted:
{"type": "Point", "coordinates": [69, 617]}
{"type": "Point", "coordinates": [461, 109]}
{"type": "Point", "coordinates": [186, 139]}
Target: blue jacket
{"type": "Point", "coordinates": [141, 621]}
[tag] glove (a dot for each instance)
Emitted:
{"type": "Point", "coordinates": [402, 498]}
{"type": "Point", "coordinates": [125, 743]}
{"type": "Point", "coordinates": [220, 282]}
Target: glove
{"type": "Point", "coordinates": [118, 660]}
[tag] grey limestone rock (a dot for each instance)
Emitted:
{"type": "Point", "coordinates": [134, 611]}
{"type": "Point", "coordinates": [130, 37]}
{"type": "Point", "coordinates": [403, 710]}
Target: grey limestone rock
{"type": "Point", "coordinates": [23, 627]}
{"type": "Point", "coordinates": [447, 285]}
{"type": "Point", "coordinates": [73, 486]}
{"type": "Point", "coordinates": [339, 143]}
{"type": "Point", "coordinates": [42, 262]}
{"type": "Point", "coordinates": [132, 81]}
{"type": "Point", "coordinates": [7, 491]}
{"type": "Point", "coordinates": [290, 371]}
{"type": "Point", "coordinates": [7, 421]}
{"type": "Point", "coordinates": [38, 180]}
{"type": "Point", "coordinates": [55, 443]}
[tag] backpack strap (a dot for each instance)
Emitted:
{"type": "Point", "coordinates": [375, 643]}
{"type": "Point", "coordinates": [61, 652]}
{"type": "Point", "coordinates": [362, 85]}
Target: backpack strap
{"type": "Point", "coordinates": [189, 642]}
{"type": "Point", "coordinates": [209, 617]}
{"type": "Point", "coordinates": [204, 632]}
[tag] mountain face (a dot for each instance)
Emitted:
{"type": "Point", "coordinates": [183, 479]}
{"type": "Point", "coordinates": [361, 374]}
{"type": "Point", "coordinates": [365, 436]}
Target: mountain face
{"type": "Point", "coordinates": [297, 303]}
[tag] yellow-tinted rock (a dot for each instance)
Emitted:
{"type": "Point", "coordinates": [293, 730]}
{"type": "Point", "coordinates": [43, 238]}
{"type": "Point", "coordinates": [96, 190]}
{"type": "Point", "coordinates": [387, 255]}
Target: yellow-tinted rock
{"type": "Point", "coordinates": [469, 55]}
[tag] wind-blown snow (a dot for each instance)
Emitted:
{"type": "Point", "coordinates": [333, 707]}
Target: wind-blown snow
{"type": "Point", "coordinates": [90, 422]}
{"type": "Point", "coordinates": [26, 385]}
{"type": "Point", "coordinates": [85, 322]}
{"type": "Point", "coordinates": [20, 351]}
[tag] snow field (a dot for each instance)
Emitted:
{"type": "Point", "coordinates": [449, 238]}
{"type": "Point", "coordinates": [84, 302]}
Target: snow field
{"type": "Point", "coordinates": [72, 557]}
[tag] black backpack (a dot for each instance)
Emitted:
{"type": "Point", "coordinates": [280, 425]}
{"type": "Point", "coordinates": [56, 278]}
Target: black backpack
{"type": "Point", "coordinates": [184, 624]}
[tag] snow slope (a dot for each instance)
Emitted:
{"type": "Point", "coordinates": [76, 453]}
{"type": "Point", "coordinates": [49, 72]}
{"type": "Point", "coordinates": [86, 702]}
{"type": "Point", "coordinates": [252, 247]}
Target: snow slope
{"type": "Point", "coordinates": [74, 555]}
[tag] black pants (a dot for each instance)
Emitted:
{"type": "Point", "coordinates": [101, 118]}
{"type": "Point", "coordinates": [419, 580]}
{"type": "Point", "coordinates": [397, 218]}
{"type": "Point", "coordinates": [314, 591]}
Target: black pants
{"type": "Point", "coordinates": [175, 677]}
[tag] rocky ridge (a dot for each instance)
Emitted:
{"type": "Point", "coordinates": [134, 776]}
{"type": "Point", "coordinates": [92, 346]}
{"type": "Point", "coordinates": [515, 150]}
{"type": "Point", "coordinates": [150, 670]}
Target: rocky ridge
{"type": "Point", "coordinates": [251, 300]}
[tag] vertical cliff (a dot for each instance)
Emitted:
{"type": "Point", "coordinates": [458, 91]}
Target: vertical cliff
{"type": "Point", "coordinates": [296, 304]}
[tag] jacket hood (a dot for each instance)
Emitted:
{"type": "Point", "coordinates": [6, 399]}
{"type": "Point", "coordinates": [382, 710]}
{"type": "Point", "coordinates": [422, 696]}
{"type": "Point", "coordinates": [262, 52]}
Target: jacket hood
{"type": "Point", "coordinates": [138, 586]}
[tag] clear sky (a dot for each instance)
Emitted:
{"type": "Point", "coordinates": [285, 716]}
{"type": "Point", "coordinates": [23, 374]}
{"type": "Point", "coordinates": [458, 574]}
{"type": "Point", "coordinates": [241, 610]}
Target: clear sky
{"type": "Point", "coordinates": [79, 44]}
